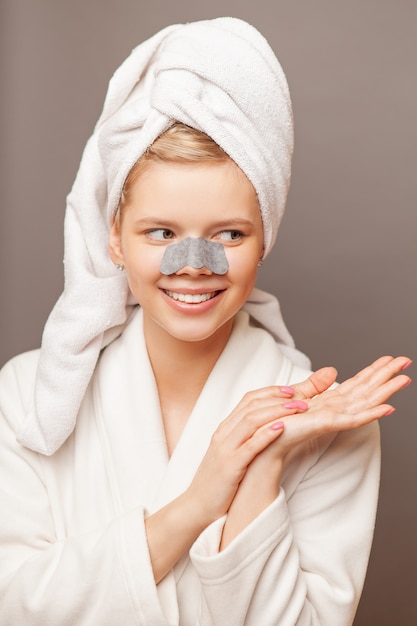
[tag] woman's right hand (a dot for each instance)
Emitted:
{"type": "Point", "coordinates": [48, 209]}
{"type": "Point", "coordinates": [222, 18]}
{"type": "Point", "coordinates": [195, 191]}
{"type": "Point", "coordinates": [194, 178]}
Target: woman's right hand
{"type": "Point", "coordinates": [251, 427]}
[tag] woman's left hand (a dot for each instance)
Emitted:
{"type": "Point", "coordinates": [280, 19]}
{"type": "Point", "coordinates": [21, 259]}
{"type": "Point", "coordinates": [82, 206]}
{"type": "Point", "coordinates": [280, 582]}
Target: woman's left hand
{"type": "Point", "coordinates": [355, 402]}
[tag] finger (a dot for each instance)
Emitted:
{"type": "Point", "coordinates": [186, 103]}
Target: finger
{"type": "Point", "coordinates": [247, 421]}
{"type": "Point", "coordinates": [260, 440]}
{"type": "Point", "coordinates": [241, 456]}
{"type": "Point", "coordinates": [316, 424]}
{"type": "Point", "coordinates": [258, 399]}
{"type": "Point", "coordinates": [273, 392]}
{"type": "Point", "coordinates": [349, 421]}
{"type": "Point", "coordinates": [296, 404]}
{"type": "Point", "coordinates": [318, 382]}
{"type": "Point", "coordinates": [383, 392]}
{"type": "Point", "coordinates": [242, 424]}
{"type": "Point", "coordinates": [360, 397]}
{"type": "Point", "coordinates": [377, 373]}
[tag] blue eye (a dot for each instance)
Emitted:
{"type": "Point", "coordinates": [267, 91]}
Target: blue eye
{"type": "Point", "coordinates": [230, 235]}
{"type": "Point", "coordinates": [161, 234]}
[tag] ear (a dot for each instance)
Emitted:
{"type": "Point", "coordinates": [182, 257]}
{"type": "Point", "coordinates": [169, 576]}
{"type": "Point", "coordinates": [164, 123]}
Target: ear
{"type": "Point", "coordinates": [115, 245]}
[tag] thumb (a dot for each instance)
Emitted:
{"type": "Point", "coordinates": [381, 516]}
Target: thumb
{"type": "Point", "coordinates": [318, 382]}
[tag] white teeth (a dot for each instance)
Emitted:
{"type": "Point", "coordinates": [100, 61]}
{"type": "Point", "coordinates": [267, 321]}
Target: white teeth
{"type": "Point", "coordinates": [191, 298]}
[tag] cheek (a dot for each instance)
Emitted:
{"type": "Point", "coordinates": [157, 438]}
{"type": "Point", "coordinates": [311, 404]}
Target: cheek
{"type": "Point", "coordinates": [243, 266]}
{"type": "Point", "coordinates": [142, 260]}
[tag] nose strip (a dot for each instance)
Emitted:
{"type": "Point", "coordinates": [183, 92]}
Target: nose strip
{"type": "Point", "coordinates": [194, 252]}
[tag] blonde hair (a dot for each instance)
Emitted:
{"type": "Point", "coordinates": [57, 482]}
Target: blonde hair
{"type": "Point", "coordinates": [178, 144]}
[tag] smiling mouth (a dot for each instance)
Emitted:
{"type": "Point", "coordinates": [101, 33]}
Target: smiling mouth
{"type": "Point", "coordinates": [191, 298]}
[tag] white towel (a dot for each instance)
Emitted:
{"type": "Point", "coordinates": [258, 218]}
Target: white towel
{"type": "Point", "coordinates": [219, 76]}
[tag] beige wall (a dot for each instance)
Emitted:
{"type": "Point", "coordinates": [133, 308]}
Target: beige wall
{"type": "Point", "coordinates": [345, 265]}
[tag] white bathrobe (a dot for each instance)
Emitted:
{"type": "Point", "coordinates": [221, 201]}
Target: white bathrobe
{"type": "Point", "coordinates": [73, 548]}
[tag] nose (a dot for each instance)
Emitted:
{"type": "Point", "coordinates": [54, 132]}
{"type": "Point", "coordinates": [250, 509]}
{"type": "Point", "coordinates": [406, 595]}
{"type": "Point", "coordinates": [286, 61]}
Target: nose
{"type": "Point", "coordinates": [194, 271]}
{"type": "Point", "coordinates": [194, 261]}
{"type": "Point", "coordinates": [194, 255]}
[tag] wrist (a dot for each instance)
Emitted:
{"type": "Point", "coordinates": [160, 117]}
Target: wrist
{"type": "Point", "coordinates": [259, 488]}
{"type": "Point", "coordinates": [171, 531]}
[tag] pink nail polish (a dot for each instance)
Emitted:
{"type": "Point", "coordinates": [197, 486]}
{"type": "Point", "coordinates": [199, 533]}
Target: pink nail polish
{"type": "Point", "coordinates": [277, 426]}
{"type": "Point", "coordinates": [296, 404]}
{"type": "Point", "coordinates": [390, 412]}
{"type": "Point", "coordinates": [404, 367]}
{"type": "Point", "coordinates": [406, 383]}
{"type": "Point", "coordinates": [288, 390]}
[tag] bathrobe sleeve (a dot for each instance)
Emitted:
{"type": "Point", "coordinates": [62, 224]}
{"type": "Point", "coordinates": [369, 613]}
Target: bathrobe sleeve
{"type": "Point", "coordinates": [303, 560]}
{"type": "Point", "coordinates": [48, 578]}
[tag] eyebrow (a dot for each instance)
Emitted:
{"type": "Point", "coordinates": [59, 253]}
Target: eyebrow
{"type": "Point", "coordinates": [155, 222]}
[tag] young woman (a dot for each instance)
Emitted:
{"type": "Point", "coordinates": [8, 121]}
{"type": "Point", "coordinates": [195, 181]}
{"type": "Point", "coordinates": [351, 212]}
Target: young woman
{"type": "Point", "coordinates": [180, 465]}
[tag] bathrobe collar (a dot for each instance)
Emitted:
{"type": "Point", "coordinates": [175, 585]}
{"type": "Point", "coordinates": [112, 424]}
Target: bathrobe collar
{"type": "Point", "coordinates": [129, 410]}
{"type": "Point", "coordinates": [130, 422]}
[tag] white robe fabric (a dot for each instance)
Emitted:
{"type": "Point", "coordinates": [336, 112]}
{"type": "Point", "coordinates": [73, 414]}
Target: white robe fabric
{"type": "Point", "coordinates": [73, 549]}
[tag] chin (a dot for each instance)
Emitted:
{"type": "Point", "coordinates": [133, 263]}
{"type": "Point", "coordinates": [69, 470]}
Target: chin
{"type": "Point", "coordinates": [196, 332]}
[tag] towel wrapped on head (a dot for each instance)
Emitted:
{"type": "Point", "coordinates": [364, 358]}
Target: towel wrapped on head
{"type": "Point", "coordinates": [218, 76]}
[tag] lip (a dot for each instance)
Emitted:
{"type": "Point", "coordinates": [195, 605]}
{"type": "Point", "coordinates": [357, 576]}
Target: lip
{"type": "Point", "coordinates": [192, 290]}
{"type": "Point", "coordinates": [195, 307]}
{"type": "Point", "coordinates": [191, 298]}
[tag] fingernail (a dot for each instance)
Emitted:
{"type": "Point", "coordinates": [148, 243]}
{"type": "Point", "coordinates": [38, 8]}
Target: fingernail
{"type": "Point", "coordinates": [296, 404]}
{"type": "Point", "coordinates": [277, 426]}
{"type": "Point", "coordinates": [404, 367]}
{"type": "Point", "coordinates": [406, 383]}
{"type": "Point", "coordinates": [390, 412]}
{"type": "Point", "coordinates": [287, 390]}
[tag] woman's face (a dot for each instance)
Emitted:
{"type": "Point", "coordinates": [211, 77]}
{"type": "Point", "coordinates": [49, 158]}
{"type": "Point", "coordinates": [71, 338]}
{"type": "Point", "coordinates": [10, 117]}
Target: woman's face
{"type": "Point", "coordinates": [168, 203]}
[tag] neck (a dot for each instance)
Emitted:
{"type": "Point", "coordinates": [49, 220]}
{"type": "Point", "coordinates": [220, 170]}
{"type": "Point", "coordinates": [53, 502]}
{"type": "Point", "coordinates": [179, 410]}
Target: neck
{"type": "Point", "coordinates": [182, 367]}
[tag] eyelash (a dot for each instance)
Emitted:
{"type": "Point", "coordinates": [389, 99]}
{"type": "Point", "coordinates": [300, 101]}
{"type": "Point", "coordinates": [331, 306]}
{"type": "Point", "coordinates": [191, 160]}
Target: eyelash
{"type": "Point", "coordinates": [232, 232]}
{"type": "Point", "coordinates": [163, 231]}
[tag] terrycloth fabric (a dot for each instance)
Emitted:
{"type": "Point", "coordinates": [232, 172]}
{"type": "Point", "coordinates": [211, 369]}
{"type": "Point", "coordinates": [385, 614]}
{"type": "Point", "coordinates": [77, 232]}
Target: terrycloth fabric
{"type": "Point", "coordinates": [73, 548]}
{"type": "Point", "coordinates": [219, 76]}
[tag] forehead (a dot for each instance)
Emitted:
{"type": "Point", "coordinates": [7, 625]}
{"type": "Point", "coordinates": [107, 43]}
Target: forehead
{"type": "Point", "coordinates": [194, 188]}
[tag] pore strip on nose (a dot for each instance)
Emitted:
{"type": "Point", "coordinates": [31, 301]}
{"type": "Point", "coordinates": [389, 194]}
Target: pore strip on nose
{"type": "Point", "coordinates": [194, 252]}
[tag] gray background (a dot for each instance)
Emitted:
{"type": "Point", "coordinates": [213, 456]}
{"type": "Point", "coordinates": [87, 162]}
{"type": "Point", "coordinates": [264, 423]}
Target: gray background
{"type": "Point", "coordinates": [344, 267]}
